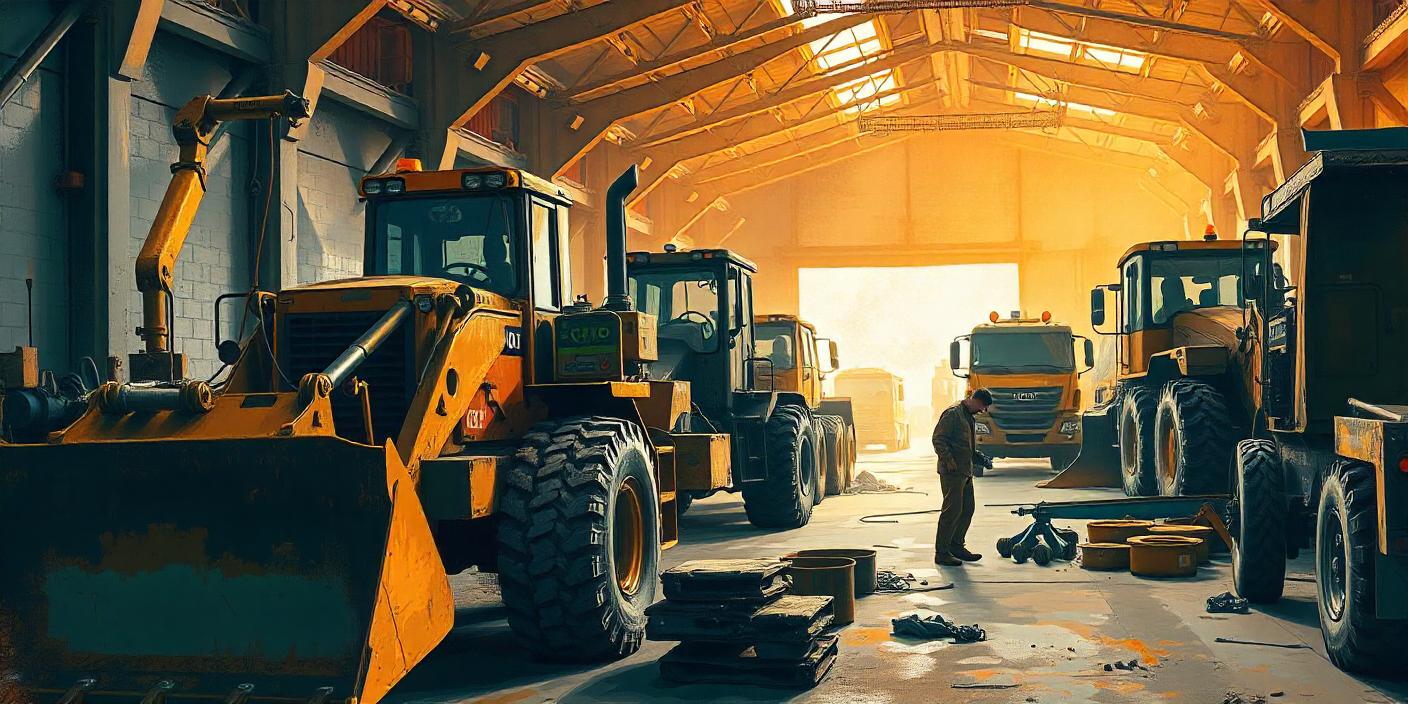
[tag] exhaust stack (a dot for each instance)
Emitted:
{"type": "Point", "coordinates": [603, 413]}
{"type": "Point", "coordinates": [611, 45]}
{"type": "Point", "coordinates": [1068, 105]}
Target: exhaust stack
{"type": "Point", "coordinates": [617, 298]}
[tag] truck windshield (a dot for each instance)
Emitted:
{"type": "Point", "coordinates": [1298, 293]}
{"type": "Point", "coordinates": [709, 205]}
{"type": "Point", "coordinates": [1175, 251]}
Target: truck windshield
{"type": "Point", "coordinates": [774, 342]}
{"type": "Point", "coordinates": [1178, 284]}
{"type": "Point", "coordinates": [467, 239]}
{"type": "Point", "coordinates": [1023, 351]}
{"type": "Point", "coordinates": [685, 303]}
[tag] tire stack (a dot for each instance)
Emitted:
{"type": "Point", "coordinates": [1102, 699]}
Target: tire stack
{"type": "Point", "coordinates": [736, 624]}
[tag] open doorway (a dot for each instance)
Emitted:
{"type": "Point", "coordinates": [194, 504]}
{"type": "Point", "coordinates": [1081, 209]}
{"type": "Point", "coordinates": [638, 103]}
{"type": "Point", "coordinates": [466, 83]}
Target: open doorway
{"type": "Point", "coordinates": [902, 319]}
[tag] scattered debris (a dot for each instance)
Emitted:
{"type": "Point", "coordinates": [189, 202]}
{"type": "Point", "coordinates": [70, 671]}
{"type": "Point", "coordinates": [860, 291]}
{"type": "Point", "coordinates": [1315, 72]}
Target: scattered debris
{"type": "Point", "coordinates": [888, 582]}
{"type": "Point", "coordinates": [1227, 603]}
{"type": "Point", "coordinates": [984, 685]}
{"type": "Point", "coordinates": [1125, 665]}
{"type": "Point", "coordinates": [937, 626]}
{"type": "Point", "coordinates": [1239, 698]}
{"type": "Point", "coordinates": [867, 483]}
{"type": "Point", "coordinates": [1289, 646]}
{"type": "Point", "coordinates": [1278, 693]}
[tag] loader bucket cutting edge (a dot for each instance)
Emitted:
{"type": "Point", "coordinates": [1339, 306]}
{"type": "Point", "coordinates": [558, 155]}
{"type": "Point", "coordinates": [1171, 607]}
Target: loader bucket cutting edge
{"type": "Point", "coordinates": [1098, 465]}
{"type": "Point", "coordinates": [211, 564]}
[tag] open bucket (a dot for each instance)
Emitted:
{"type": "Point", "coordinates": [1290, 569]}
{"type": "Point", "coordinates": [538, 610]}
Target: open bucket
{"type": "Point", "coordinates": [827, 576]}
{"type": "Point", "coordinates": [865, 565]}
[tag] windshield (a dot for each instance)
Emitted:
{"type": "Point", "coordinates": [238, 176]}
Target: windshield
{"type": "Point", "coordinates": [1036, 351]}
{"type": "Point", "coordinates": [1178, 284]}
{"type": "Point", "coordinates": [775, 343]}
{"type": "Point", "coordinates": [466, 239]}
{"type": "Point", "coordinates": [685, 303]}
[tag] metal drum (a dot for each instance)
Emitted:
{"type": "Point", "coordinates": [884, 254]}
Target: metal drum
{"type": "Point", "coordinates": [865, 565]}
{"type": "Point", "coordinates": [1115, 531]}
{"type": "Point", "coordinates": [827, 576]}
{"type": "Point", "coordinates": [1163, 555]}
{"type": "Point", "coordinates": [1202, 533]}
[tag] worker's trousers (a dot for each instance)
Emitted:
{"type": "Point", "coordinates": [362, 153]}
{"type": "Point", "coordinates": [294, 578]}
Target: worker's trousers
{"type": "Point", "coordinates": [956, 514]}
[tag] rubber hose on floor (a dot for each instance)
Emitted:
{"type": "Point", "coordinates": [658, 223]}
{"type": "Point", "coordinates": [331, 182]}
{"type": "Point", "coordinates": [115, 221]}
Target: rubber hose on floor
{"type": "Point", "coordinates": [867, 519]}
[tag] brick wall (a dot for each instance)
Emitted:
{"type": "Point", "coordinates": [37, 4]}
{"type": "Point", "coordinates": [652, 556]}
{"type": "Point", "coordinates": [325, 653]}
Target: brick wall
{"type": "Point", "coordinates": [33, 226]}
{"type": "Point", "coordinates": [341, 145]}
{"type": "Point", "coordinates": [215, 258]}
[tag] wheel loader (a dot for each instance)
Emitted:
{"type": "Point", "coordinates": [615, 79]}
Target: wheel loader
{"type": "Point", "coordinates": [703, 300]}
{"type": "Point", "coordinates": [285, 534]}
{"type": "Point", "coordinates": [1184, 389]}
{"type": "Point", "coordinates": [1326, 472]}
{"type": "Point", "coordinates": [790, 359]}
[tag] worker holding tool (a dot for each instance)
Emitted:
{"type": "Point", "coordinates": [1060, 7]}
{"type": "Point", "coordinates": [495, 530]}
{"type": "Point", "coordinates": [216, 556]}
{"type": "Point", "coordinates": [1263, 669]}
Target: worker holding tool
{"type": "Point", "coordinates": [955, 443]}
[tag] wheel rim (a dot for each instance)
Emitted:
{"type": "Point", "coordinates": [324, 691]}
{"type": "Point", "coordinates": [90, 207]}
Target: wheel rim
{"type": "Point", "coordinates": [628, 537]}
{"type": "Point", "coordinates": [1128, 452]}
{"type": "Point", "coordinates": [1169, 449]}
{"type": "Point", "coordinates": [1333, 559]}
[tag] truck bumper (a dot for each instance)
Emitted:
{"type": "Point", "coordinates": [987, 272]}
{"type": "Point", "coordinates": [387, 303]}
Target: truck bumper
{"type": "Point", "coordinates": [1032, 443]}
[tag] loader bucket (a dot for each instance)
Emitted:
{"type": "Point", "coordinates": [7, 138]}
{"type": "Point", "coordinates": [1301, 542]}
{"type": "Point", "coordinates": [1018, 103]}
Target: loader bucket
{"type": "Point", "coordinates": [1098, 465]}
{"type": "Point", "coordinates": [274, 569]}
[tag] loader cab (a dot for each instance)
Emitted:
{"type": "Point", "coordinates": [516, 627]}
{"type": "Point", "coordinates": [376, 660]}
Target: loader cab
{"type": "Point", "coordinates": [493, 229]}
{"type": "Point", "coordinates": [703, 304]}
{"type": "Point", "coordinates": [788, 356]}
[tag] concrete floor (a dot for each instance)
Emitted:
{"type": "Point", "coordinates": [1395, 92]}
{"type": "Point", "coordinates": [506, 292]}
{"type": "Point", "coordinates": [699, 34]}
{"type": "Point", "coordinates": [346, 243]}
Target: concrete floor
{"type": "Point", "coordinates": [1049, 628]}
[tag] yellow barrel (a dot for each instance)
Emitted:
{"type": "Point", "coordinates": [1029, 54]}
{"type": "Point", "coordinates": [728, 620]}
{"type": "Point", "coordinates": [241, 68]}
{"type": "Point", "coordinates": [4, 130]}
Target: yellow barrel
{"type": "Point", "coordinates": [865, 565]}
{"type": "Point", "coordinates": [1163, 555]}
{"type": "Point", "coordinates": [1104, 556]}
{"type": "Point", "coordinates": [1116, 531]}
{"type": "Point", "coordinates": [1202, 533]}
{"type": "Point", "coordinates": [827, 576]}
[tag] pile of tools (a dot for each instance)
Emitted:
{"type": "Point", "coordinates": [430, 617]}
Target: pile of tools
{"type": "Point", "coordinates": [736, 624]}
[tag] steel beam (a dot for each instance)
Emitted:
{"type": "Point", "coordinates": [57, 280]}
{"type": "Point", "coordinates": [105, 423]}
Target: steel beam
{"type": "Point", "coordinates": [587, 123]}
{"type": "Point", "coordinates": [39, 49]}
{"type": "Point", "coordinates": [1140, 20]}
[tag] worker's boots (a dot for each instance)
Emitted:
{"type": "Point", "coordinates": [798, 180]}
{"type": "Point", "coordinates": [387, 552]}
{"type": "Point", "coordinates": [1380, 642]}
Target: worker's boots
{"type": "Point", "coordinates": [966, 556]}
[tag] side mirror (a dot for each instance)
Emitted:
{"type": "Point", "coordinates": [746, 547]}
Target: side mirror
{"type": "Point", "coordinates": [1089, 353]}
{"type": "Point", "coordinates": [954, 350]}
{"type": "Point", "coordinates": [835, 356]}
{"type": "Point", "coordinates": [1097, 306]}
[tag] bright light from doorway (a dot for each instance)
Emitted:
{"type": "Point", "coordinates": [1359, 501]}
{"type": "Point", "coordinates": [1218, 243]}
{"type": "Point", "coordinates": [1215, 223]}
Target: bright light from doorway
{"type": "Point", "coordinates": [903, 318]}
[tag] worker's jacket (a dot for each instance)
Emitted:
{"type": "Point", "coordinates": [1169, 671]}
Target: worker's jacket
{"type": "Point", "coordinates": [954, 441]}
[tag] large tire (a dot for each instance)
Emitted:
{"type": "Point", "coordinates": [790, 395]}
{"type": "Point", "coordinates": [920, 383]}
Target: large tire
{"type": "Point", "coordinates": [1193, 439]}
{"type": "Point", "coordinates": [823, 459]}
{"type": "Point", "coordinates": [785, 499]}
{"type": "Point", "coordinates": [1346, 541]}
{"type": "Point", "coordinates": [834, 468]}
{"type": "Point", "coordinates": [1258, 524]}
{"type": "Point", "coordinates": [1136, 441]}
{"type": "Point", "coordinates": [579, 539]}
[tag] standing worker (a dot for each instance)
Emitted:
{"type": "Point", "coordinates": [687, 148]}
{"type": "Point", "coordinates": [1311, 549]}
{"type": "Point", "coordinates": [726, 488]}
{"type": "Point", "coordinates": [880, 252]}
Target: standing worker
{"type": "Point", "coordinates": [955, 443]}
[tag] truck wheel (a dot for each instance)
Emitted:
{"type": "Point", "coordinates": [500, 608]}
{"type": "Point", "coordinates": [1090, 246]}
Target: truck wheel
{"type": "Point", "coordinates": [852, 453]}
{"type": "Point", "coordinates": [784, 500]}
{"type": "Point", "coordinates": [1346, 541]}
{"type": "Point", "coordinates": [1137, 443]}
{"type": "Point", "coordinates": [824, 458]}
{"type": "Point", "coordinates": [835, 466]}
{"type": "Point", "coordinates": [1258, 523]}
{"type": "Point", "coordinates": [579, 539]}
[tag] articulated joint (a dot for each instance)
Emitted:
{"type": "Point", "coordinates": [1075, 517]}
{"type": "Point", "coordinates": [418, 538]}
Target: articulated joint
{"type": "Point", "coordinates": [192, 397]}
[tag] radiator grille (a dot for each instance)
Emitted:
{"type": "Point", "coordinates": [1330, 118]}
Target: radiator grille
{"type": "Point", "coordinates": [314, 340]}
{"type": "Point", "coordinates": [1025, 409]}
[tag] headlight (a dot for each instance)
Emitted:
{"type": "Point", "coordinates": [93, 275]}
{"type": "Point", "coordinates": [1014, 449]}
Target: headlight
{"type": "Point", "coordinates": [982, 428]}
{"type": "Point", "coordinates": [395, 185]}
{"type": "Point", "coordinates": [496, 180]}
{"type": "Point", "coordinates": [372, 188]}
{"type": "Point", "coordinates": [424, 303]}
{"type": "Point", "coordinates": [472, 181]}
{"type": "Point", "coordinates": [1069, 427]}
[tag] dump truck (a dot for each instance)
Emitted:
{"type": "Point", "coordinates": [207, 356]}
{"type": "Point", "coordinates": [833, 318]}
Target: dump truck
{"type": "Point", "coordinates": [877, 397]}
{"type": "Point", "coordinates": [790, 357]}
{"type": "Point", "coordinates": [703, 299]}
{"type": "Point", "coordinates": [1029, 366]}
{"type": "Point", "coordinates": [285, 533]}
{"type": "Point", "coordinates": [1184, 383]}
{"type": "Point", "coordinates": [1327, 468]}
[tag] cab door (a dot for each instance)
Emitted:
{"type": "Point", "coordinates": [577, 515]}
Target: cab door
{"type": "Point", "coordinates": [811, 371]}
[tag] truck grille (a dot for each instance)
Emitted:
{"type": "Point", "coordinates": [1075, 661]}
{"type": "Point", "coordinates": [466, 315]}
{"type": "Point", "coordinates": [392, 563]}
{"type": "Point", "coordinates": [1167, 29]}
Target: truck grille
{"type": "Point", "coordinates": [313, 340]}
{"type": "Point", "coordinates": [1025, 409]}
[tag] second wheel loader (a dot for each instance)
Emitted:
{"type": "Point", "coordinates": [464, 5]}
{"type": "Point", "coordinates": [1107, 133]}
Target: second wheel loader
{"type": "Point", "coordinates": [285, 534]}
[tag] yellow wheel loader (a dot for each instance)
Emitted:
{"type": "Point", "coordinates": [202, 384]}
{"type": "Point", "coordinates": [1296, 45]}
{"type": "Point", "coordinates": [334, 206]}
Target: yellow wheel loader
{"type": "Point", "coordinates": [790, 358]}
{"type": "Point", "coordinates": [285, 534]}
{"type": "Point", "coordinates": [1184, 384]}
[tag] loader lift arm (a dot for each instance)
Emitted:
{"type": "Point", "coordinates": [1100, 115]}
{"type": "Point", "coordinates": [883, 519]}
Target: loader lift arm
{"type": "Point", "coordinates": [194, 126]}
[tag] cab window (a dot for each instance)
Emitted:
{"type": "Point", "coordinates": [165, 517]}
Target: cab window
{"type": "Point", "coordinates": [774, 343]}
{"type": "Point", "coordinates": [546, 285]}
{"type": "Point", "coordinates": [470, 240]}
{"type": "Point", "coordinates": [685, 303]}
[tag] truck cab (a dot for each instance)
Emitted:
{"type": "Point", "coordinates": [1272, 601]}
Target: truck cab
{"type": "Point", "coordinates": [1029, 365]}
